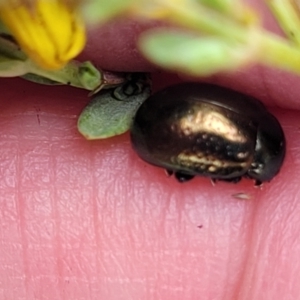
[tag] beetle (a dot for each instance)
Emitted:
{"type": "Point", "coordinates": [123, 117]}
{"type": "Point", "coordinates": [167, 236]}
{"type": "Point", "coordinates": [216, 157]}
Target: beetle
{"type": "Point", "coordinates": [202, 129]}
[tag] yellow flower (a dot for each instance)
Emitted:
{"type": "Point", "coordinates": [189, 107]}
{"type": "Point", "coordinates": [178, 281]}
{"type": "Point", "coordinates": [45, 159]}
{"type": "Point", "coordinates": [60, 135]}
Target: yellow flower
{"type": "Point", "coordinates": [50, 32]}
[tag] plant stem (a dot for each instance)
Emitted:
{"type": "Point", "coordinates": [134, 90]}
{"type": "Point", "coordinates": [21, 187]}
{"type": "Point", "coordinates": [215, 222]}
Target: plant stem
{"type": "Point", "coordinates": [270, 49]}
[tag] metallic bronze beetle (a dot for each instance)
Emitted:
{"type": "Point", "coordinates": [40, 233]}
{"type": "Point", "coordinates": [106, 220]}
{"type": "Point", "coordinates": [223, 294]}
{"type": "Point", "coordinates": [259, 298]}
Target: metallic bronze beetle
{"type": "Point", "coordinates": [202, 129]}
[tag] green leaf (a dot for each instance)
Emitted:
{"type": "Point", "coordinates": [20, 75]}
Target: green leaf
{"type": "Point", "coordinates": [194, 55]}
{"type": "Point", "coordinates": [288, 18]}
{"type": "Point", "coordinates": [40, 79]}
{"type": "Point", "coordinates": [82, 75]}
{"type": "Point", "coordinates": [103, 10]}
{"type": "Point", "coordinates": [111, 111]}
{"type": "Point", "coordinates": [89, 75]}
{"type": "Point", "coordinates": [12, 67]}
{"type": "Point", "coordinates": [221, 5]}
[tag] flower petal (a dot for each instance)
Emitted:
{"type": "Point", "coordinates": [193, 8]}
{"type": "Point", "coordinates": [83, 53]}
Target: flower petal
{"type": "Point", "coordinates": [50, 32]}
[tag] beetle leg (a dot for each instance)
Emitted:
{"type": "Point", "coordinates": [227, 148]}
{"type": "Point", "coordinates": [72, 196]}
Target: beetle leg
{"type": "Point", "coordinates": [231, 180]}
{"type": "Point", "coordinates": [258, 183]}
{"type": "Point", "coordinates": [169, 172]}
{"type": "Point", "coordinates": [183, 177]}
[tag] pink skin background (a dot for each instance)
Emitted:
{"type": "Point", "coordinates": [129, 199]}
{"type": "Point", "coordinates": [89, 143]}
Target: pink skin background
{"type": "Point", "coordinates": [90, 220]}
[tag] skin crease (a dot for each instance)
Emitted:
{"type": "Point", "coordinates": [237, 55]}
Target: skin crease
{"type": "Point", "coordinates": [90, 220]}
